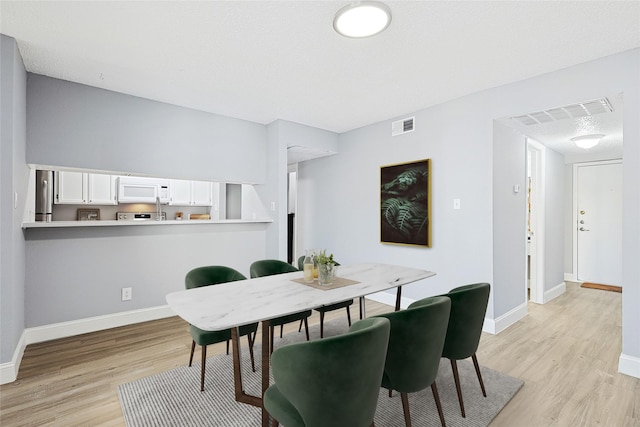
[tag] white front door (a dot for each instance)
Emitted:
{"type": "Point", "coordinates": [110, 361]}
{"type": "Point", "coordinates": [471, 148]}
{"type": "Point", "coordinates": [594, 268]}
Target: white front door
{"type": "Point", "coordinates": [599, 222]}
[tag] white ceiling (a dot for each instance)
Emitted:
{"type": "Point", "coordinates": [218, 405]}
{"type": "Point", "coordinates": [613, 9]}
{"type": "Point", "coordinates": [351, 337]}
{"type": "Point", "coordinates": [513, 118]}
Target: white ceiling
{"type": "Point", "coordinates": [268, 60]}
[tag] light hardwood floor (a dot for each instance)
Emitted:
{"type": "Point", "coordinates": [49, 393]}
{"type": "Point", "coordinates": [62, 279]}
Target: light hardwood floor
{"type": "Point", "coordinates": [566, 351]}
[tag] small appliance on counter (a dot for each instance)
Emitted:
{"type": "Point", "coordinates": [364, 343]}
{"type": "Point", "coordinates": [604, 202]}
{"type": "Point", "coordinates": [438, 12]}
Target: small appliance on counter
{"type": "Point", "coordinates": [140, 216]}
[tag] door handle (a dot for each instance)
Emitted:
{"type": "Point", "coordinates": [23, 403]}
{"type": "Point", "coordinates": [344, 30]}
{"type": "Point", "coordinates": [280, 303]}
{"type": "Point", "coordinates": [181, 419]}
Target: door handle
{"type": "Point", "coordinates": [583, 229]}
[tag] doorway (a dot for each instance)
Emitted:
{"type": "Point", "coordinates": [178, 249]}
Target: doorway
{"type": "Point", "coordinates": [598, 222]}
{"type": "Point", "coordinates": [535, 221]}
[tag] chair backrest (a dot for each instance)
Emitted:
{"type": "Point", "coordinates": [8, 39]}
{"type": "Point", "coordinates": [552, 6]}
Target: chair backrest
{"type": "Point", "coordinates": [211, 275]}
{"type": "Point", "coordinates": [468, 308]}
{"type": "Point", "coordinates": [415, 344]}
{"type": "Point", "coordinates": [269, 267]}
{"type": "Point", "coordinates": [335, 381]}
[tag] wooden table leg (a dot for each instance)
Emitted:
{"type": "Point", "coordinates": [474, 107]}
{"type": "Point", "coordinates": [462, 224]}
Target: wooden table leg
{"type": "Point", "coordinates": [265, 369]}
{"type": "Point", "coordinates": [363, 313]}
{"type": "Point", "coordinates": [398, 296]}
{"type": "Point", "coordinates": [241, 396]}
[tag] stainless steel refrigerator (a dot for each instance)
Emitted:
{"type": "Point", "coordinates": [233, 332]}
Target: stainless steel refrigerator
{"type": "Point", "coordinates": [44, 195]}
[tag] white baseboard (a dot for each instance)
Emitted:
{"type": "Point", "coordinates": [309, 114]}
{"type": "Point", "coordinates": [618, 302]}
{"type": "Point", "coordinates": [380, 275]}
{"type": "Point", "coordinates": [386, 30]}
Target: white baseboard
{"type": "Point", "coordinates": [490, 325]}
{"type": "Point", "coordinates": [9, 371]}
{"type": "Point", "coordinates": [495, 326]}
{"type": "Point", "coordinates": [570, 277]}
{"type": "Point", "coordinates": [629, 365]}
{"type": "Point", "coordinates": [554, 292]}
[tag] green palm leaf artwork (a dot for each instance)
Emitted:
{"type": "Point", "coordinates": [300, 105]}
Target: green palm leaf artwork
{"type": "Point", "coordinates": [404, 203]}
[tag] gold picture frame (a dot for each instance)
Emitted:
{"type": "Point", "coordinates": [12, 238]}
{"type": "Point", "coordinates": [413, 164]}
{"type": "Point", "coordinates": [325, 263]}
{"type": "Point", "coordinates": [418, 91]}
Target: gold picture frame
{"type": "Point", "coordinates": [88, 215]}
{"type": "Point", "coordinates": [405, 203]}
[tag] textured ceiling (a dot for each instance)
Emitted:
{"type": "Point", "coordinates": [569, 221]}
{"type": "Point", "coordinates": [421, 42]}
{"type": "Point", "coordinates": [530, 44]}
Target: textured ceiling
{"type": "Point", "coordinates": [268, 60]}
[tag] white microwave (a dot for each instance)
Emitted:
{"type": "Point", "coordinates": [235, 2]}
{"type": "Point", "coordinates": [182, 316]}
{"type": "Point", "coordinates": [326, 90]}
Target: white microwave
{"type": "Point", "coordinates": [142, 190]}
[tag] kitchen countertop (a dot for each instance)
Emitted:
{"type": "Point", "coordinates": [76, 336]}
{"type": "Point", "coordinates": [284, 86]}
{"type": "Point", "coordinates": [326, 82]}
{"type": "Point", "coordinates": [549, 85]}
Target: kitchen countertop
{"type": "Point", "coordinates": [114, 223]}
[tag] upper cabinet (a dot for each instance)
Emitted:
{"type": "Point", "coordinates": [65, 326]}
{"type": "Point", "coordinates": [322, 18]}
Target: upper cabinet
{"type": "Point", "coordinates": [79, 188]}
{"type": "Point", "coordinates": [190, 193]}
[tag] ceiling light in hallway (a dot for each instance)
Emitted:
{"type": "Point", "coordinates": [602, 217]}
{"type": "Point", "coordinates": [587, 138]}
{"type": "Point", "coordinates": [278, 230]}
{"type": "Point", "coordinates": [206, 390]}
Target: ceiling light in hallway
{"type": "Point", "coordinates": [587, 141]}
{"type": "Point", "coordinates": [362, 19]}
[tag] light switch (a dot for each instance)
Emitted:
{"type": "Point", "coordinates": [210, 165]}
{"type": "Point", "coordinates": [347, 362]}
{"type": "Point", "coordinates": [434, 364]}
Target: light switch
{"type": "Point", "coordinates": [456, 204]}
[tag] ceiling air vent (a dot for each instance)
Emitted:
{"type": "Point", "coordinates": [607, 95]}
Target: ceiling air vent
{"type": "Point", "coordinates": [403, 126]}
{"type": "Point", "coordinates": [584, 109]}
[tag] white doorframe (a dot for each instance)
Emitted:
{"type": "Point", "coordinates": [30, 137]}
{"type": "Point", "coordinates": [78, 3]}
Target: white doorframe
{"type": "Point", "coordinates": [292, 206]}
{"type": "Point", "coordinates": [537, 173]}
{"type": "Point", "coordinates": [574, 214]}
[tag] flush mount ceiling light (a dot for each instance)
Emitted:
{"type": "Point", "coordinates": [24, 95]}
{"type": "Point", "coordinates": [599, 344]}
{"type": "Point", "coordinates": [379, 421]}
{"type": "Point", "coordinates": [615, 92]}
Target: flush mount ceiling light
{"type": "Point", "coordinates": [362, 19]}
{"type": "Point", "coordinates": [587, 141]}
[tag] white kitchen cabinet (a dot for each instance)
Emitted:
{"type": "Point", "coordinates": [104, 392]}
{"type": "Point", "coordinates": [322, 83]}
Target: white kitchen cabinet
{"type": "Point", "coordinates": [70, 188]}
{"type": "Point", "coordinates": [101, 189]}
{"type": "Point", "coordinates": [201, 193]}
{"type": "Point", "coordinates": [190, 193]}
{"type": "Point", "coordinates": [78, 188]}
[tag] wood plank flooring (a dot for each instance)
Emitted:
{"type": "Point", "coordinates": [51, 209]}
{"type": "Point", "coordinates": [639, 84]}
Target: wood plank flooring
{"type": "Point", "coordinates": [566, 351]}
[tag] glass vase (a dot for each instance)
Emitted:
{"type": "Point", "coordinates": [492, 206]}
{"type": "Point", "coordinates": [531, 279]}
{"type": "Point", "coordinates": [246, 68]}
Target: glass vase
{"type": "Point", "coordinates": [326, 274]}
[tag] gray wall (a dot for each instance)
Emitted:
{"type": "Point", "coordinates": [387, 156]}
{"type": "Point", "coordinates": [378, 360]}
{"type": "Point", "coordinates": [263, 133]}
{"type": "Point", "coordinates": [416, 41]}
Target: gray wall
{"type": "Point", "coordinates": [14, 176]}
{"type": "Point", "coordinates": [509, 218]}
{"type": "Point", "coordinates": [78, 273]}
{"type": "Point", "coordinates": [555, 197]}
{"type": "Point", "coordinates": [339, 195]}
{"type": "Point", "coordinates": [74, 125]}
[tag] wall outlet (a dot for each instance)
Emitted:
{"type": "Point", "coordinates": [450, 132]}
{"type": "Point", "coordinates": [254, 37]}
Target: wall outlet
{"type": "Point", "coordinates": [126, 294]}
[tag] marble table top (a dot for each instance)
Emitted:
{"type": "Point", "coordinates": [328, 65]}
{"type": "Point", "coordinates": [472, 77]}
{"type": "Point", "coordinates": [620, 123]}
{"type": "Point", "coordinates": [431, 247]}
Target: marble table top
{"type": "Point", "coordinates": [227, 305]}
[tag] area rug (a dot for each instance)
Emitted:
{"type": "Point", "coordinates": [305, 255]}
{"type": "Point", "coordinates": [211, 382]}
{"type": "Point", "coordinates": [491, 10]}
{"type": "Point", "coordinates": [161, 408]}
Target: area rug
{"type": "Point", "coordinates": [173, 398]}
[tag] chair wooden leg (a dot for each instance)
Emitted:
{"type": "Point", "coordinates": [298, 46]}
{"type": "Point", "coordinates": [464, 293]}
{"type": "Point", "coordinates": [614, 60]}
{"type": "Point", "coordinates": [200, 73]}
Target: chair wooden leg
{"type": "Point", "coordinates": [321, 324]}
{"type": "Point", "coordinates": [300, 325]}
{"type": "Point", "coordinates": [477, 366]}
{"type": "Point", "coordinates": [193, 347]}
{"type": "Point", "coordinates": [306, 327]}
{"type": "Point", "coordinates": [436, 397]}
{"type": "Point", "coordinates": [405, 409]}
{"type": "Point", "coordinates": [281, 328]}
{"type": "Point", "coordinates": [390, 393]}
{"type": "Point", "coordinates": [456, 378]}
{"type": "Point", "coordinates": [348, 315]}
{"type": "Point", "coordinates": [253, 363]}
{"type": "Point", "coordinates": [204, 366]}
{"type": "Point", "coordinates": [372, 424]}
{"type": "Point", "coordinates": [227, 346]}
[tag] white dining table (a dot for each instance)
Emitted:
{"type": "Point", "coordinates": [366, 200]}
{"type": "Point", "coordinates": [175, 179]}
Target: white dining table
{"type": "Point", "coordinates": [234, 304]}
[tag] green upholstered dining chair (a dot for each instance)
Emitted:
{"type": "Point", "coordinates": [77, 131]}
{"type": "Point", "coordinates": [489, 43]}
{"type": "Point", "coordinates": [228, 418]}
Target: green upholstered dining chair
{"type": "Point", "coordinates": [269, 267]}
{"type": "Point", "coordinates": [329, 382]}
{"type": "Point", "coordinates": [468, 308]}
{"type": "Point", "coordinates": [325, 308]}
{"type": "Point", "coordinates": [415, 349]}
{"type": "Point", "coordinates": [214, 275]}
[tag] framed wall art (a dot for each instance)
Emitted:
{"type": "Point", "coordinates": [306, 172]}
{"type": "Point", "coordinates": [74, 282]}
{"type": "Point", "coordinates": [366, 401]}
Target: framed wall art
{"type": "Point", "coordinates": [405, 203]}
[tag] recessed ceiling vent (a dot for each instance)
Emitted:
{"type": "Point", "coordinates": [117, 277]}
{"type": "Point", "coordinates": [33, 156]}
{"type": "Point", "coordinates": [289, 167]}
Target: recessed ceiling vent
{"type": "Point", "coordinates": [584, 109]}
{"type": "Point", "coordinates": [403, 126]}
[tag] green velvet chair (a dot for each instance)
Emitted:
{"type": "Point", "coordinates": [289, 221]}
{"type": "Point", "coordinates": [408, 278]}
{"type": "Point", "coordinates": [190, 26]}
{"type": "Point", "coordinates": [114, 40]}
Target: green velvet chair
{"type": "Point", "coordinates": [325, 308]}
{"type": "Point", "coordinates": [214, 275]}
{"type": "Point", "coordinates": [269, 267]}
{"type": "Point", "coordinates": [415, 349]}
{"type": "Point", "coordinates": [468, 308]}
{"type": "Point", "coordinates": [329, 382]}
